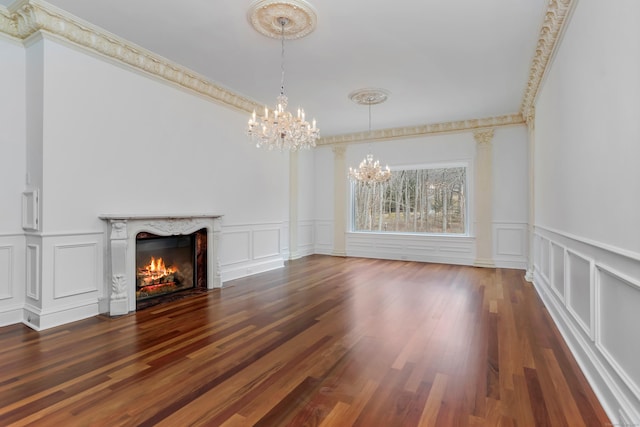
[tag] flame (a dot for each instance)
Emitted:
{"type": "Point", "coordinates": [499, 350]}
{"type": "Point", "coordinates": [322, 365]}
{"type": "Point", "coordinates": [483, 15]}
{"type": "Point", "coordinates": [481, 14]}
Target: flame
{"type": "Point", "coordinates": [155, 270]}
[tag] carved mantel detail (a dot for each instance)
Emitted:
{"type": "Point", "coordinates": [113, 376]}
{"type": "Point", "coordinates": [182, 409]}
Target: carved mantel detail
{"type": "Point", "coordinates": [123, 230]}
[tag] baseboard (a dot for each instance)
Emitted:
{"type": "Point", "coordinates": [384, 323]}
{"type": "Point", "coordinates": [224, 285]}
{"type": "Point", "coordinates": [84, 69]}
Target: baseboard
{"type": "Point", "coordinates": [11, 315]}
{"type": "Point", "coordinates": [40, 320]}
{"type": "Point", "coordinates": [248, 269]}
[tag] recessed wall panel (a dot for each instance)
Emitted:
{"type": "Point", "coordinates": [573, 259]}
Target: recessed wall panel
{"type": "Point", "coordinates": [33, 272]}
{"type": "Point", "coordinates": [557, 266]}
{"type": "Point", "coordinates": [305, 235]}
{"type": "Point", "coordinates": [266, 243]}
{"type": "Point", "coordinates": [236, 247]}
{"type": "Point", "coordinates": [509, 241]}
{"type": "Point", "coordinates": [544, 257]}
{"type": "Point", "coordinates": [75, 269]}
{"type": "Point", "coordinates": [618, 324]}
{"type": "Point", "coordinates": [6, 272]}
{"type": "Point", "coordinates": [579, 285]}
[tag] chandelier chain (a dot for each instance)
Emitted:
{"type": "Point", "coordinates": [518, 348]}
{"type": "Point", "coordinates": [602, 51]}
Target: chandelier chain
{"type": "Point", "coordinates": [283, 21]}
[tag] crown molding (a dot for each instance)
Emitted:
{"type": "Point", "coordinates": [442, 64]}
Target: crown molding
{"type": "Point", "coordinates": [27, 17]}
{"type": "Point", "coordinates": [24, 18]}
{"type": "Point", "coordinates": [425, 130]}
{"type": "Point", "coordinates": [553, 27]}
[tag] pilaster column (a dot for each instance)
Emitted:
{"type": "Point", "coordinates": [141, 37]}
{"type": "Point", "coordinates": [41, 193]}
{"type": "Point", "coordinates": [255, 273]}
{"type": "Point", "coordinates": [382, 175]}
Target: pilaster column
{"type": "Point", "coordinates": [484, 198]}
{"type": "Point", "coordinates": [340, 200]}
{"type": "Point", "coordinates": [293, 205]}
{"type": "Point", "coordinates": [119, 299]}
{"type": "Point", "coordinates": [530, 120]}
{"type": "Point", "coordinates": [214, 279]}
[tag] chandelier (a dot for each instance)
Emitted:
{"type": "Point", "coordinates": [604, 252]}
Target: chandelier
{"type": "Point", "coordinates": [369, 171]}
{"type": "Point", "coordinates": [280, 129]}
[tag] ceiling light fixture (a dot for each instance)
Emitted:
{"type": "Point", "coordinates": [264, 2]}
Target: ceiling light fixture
{"type": "Point", "coordinates": [279, 129]}
{"type": "Point", "coordinates": [369, 171]}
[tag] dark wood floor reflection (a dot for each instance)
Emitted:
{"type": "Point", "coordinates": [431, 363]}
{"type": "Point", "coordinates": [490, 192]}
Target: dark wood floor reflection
{"type": "Point", "coordinates": [323, 342]}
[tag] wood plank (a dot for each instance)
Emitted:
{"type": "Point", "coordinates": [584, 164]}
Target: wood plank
{"type": "Point", "coordinates": [324, 341]}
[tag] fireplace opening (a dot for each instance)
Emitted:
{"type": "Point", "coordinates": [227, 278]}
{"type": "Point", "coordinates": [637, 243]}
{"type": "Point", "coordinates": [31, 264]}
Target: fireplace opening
{"type": "Point", "coordinates": [168, 266]}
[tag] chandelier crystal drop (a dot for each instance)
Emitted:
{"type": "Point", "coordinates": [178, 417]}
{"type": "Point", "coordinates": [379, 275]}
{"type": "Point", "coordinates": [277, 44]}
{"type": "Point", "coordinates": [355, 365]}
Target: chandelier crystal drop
{"type": "Point", "coordinates": [279, 129]}
{"type": "Point", "coordinates": [369, 171]}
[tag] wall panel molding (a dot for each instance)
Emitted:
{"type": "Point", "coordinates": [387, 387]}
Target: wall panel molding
{"type": "Point", "coordinates": [323, 237]}
{"type": "Point", "coordinates": [248, 249]}
{"type": "Point", "coordinates": [33, 271]}
{"type": "Point", "coordinates": [510, 244]}
{"type": "Point", "coordinates": [618, 298]}
{"type": "Point", "coordinates": [12, 278]}
{"type": "Point", "coordinates": [580, 290]}
{"type": "Point", "coordinates": [75, 269]}
{"type": "Point", "coordinates": [601, 326]}
{"type": "Point", "coordinates": [7, 271]}
{"type": "Point", "coordinates": [443, 249]}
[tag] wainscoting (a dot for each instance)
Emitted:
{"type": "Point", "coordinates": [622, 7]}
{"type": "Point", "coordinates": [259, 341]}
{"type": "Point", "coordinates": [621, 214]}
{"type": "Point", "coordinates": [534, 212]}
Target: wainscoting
{"type": "Point", "coordinates": [593, 293]}
{"type": "Point", "coordinates": [248, 249]}
{"type": "Point", "coordinates": [412, 247]}
{"type": "Point", "coordinates": [12, 278]}
{"type": "Point", "coordinates": [64, 278]}
{"type": "Point", "coordinates": [510, 245]}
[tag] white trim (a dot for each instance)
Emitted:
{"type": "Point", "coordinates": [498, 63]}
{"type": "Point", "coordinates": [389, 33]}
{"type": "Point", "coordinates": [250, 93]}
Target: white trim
{"type": "Point", "coordinates": [588, 329]}
{"type": "Point", "coordinates": [633, 283]}
{"type": "Point", "coordinates": [609, 248]}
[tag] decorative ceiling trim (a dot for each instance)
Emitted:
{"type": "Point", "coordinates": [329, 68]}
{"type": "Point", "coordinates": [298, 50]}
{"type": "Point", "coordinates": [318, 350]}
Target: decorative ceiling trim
{"type": "Point", "coordinates": [26, 17]}
{"type": "Point", "coordinates": [265, 15]}
{"type": "Point", "coordinates": [431, 129]}
{"type": "Point", "coordinates": [35, 15]}
{"type": "Point", "coordinates": [552, 27]}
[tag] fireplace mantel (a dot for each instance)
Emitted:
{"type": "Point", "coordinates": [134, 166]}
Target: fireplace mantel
{"type": "Point", "coordinates": [122, 230]}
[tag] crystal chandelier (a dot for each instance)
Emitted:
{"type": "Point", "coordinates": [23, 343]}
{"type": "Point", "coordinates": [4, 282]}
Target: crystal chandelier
{"type": "Point", "coordinates": [279, 128]}
{"type": "Point", "coordinates": [369, 171]}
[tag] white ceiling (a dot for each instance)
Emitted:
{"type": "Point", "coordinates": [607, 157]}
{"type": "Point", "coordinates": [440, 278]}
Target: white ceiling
{"type": "Point", "coordinates": [442, 60]}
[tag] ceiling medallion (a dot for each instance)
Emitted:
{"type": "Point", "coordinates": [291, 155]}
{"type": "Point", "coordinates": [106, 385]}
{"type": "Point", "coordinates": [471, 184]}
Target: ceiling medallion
{"type": "Point", "coordinates": [369, 96]}
{"type": "Point", "coordinates": [265, 16]}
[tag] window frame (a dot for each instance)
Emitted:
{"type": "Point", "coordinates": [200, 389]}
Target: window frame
{"type": "Point", "coordinates": [469, 191]}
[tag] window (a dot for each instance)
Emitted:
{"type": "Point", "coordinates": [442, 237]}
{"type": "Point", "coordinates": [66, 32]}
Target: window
{"type": "Point", "coordinates": [413, 201]}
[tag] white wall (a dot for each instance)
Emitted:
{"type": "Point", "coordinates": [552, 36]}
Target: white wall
{"type": "Point", "coordinates": [323, 199]}
{"type": "Point", "coordinates": [510, 197]}
{"type": "Point", "coordinates": [510, 206]}
{"type": "Point", "coordinates": [587, 182]}
{"type": "Point", "coordinates": [104, 139]}
{"type": "Point", "coordinates": [305, 201]}
{"type": "Point", "coordinates": [12, 179]}
{"type": "Point", "coordinates": [117, 141]}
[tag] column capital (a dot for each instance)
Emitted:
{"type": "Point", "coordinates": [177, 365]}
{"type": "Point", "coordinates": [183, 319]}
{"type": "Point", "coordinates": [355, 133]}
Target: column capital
{"type": "Point", "coordinates": [339, 150]}
{"type": "Point", "coordinates": [530, 117]}
{"type": "Point", "coordinates": [484, 136]}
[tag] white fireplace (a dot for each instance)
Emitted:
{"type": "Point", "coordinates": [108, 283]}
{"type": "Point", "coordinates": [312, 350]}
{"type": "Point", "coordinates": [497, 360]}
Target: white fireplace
{"type": "Point", "coordinates": [121, 250]}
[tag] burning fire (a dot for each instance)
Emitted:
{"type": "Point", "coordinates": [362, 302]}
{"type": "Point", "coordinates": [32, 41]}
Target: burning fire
{"type": "Point", "coordinates": [155, 272]}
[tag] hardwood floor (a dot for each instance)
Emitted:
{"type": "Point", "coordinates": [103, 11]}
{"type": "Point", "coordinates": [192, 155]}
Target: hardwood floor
{"type": "Point", "coordinates": [323, 342]}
